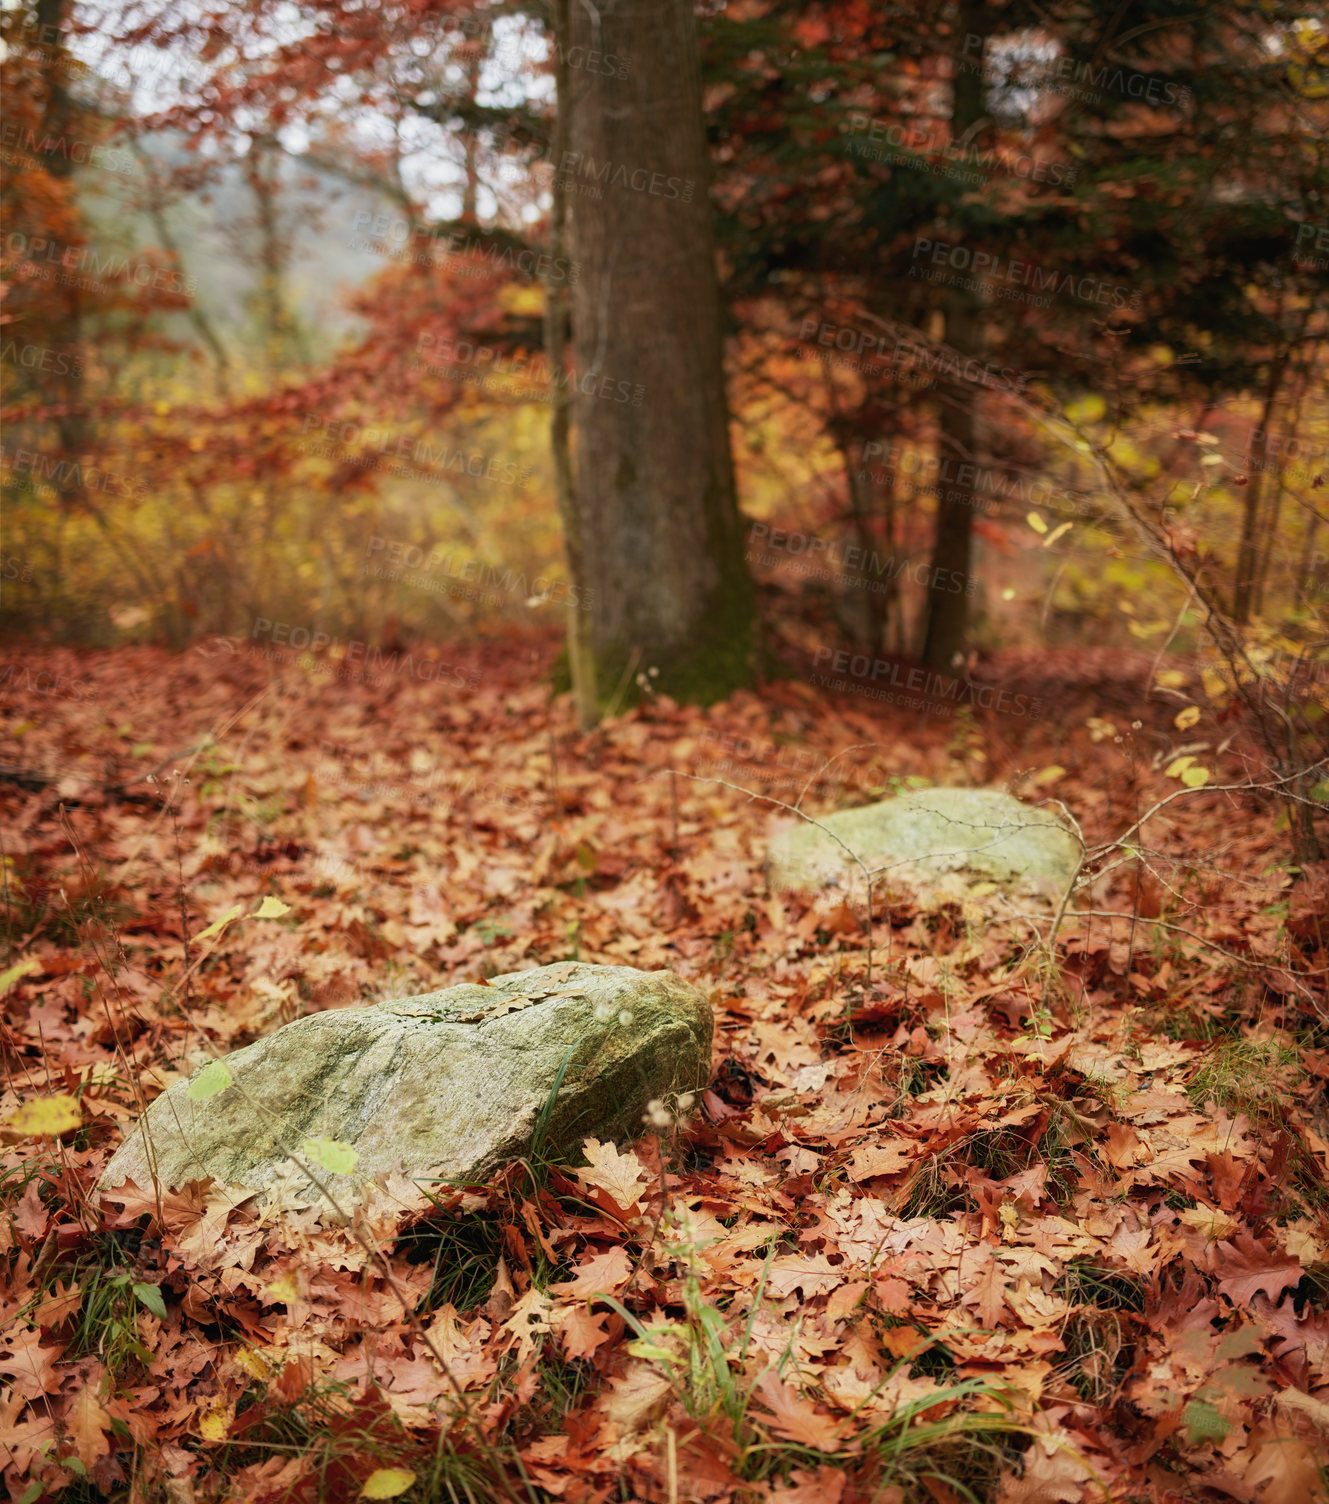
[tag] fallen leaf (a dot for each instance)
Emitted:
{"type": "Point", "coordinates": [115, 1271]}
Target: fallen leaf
{"type": "Point", "coordinates": [793, 1418]}
{"type": "Point", "coordinates": [621, 1176]}
{"type": "Point", "coordinates": [387, 1483]}
{"type": "Point", "coordinates": [88, 1424]}
{"type": "Point", "coordinates": [1246, 1269]}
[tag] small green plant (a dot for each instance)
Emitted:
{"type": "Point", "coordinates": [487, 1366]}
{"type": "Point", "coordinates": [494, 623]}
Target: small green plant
{"type": "Point", "coordinates": [489, 930]}
{"type": "Point", "coordinates": [107, 1325]}
{"type": "Point", "coordinates": [211, 769]}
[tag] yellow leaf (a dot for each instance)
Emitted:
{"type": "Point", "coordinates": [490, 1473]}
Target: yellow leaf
{"type": "Point", "coordinates": [1215, 686]}
{"type": "Point", "coordinates": [45, 1116]}
{"type": "Point", "coordinates": [215, 1077]}
{"type": "Point", "coordinates": [387, 1483]}
{"type": "Point", "coordinates": [524, 301]}
{"type": "Point", "coordinates": [1036, 522]}
{"type": "Point", "coordinates": [285, 1288]}
{"type": "Point", "coordinates": [1177, 767]}
{"type": "Point", "coordinates": [218, 925]}
{"type": "Point", "coordinates": [1089, 409]}
{"type": "Point", "coordinates": [214, 1423]}
{"type": "Point", "coordinates": [1056, 533]}
{"type": "Point", "coordinates": [1195, 778]}
{"type": "Point", "coordinates": [271, 908]}
{"type": "Point", "coordinates": [11, 974]}
{"type": "Point", "coordinates": [88, 1424]}
{"type": "Point", "coordinates": [334, 1155]}
{"type": "Point", "coordinates": [254, 1364]}
{"type": "Point", "coordinates": [1049, 775]}
{"type": "Point", "coordinates": [621, 1176]}
{"type": "Point", "coordinates": [1143, 629]}
{"type": "Point", "coordinates": [1185, 719]}
{"type": "Point", "coordinates": [1170, 678]}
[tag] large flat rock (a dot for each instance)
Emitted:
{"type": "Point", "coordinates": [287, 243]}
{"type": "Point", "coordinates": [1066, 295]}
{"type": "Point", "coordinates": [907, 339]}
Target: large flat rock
{"type": "Point", "coordinates": [939, 842]}
{"type": "Point", "coordinates": [449, 1085]}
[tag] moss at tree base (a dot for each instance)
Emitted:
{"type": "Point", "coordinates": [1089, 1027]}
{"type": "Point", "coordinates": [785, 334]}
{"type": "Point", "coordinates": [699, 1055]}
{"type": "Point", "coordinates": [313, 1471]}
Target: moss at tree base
{"type": "Point", "coordinates": [721, 661]}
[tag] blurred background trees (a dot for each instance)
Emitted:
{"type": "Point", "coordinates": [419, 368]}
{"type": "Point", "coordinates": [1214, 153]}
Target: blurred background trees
{"type": "Point", "coordinates": [297, 326]}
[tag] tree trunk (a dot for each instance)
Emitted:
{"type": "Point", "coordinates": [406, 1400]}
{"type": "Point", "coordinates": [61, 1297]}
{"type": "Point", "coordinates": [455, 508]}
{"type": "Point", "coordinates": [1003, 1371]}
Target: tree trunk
{"type": "Point", "coordinates": [1248, 550]}
{"type": "Point", "coordinates": [58, 122]}
{"type": "Point", "coordinates": [952, 550]}
{"type": "Point", "coordinates": [660, 537]}
{"type": "Point", "coordinates": [952, 547]}
{"type": "Point", "coordinates": [558, 315]}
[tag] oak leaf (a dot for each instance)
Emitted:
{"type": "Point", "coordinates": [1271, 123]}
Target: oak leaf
{"type": "Point", "coordinates": [604, 1273]}
{"type": "Point", "coordinates": [813, 1274]}
{"type": "Point", "coordinates": [529, 1321]}
{"type": "Point", "coordinates": [88, 1424]}
{"type": "Point", "coordinates": [581, 1332]}
{"type": "Point", "coordinates": [622, 1177]}
{"type": "Point", "coordinates": [795, 1419]}
{"type": "Point", "coordinates": [29, 1365]}
{"type": "Point", "coordinates": [637, 1396]}
{"type": "Point", "coordinates": [887, 1157]}
{"type": "Point", "coordinates": [1246, 1269]}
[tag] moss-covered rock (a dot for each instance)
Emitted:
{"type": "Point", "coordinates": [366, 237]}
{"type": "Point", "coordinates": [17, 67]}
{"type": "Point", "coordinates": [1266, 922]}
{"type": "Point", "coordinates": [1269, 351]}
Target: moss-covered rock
{"type": "Point", "coordinates": [449, 1085]}
{"type": "Point", "coordinates": [938, 842]}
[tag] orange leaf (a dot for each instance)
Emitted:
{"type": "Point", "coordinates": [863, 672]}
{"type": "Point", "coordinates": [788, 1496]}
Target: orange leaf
{"type": "Point", "coordinates": [581, 1331]}
{"type": "Point", "coordinates": [88, 1424]}
{"type": "Point", "coordinates": [888, 1157]}
{"type": "Point", "coordinates": [606, 1272]}
{"type": "Point", "coordinates": [794, 1418]}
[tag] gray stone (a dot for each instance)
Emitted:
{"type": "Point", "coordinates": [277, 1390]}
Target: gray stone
{"type": "Point", "coordinates": [941, 843]}
{"type": "Point", "coordinates": [450, 1085]}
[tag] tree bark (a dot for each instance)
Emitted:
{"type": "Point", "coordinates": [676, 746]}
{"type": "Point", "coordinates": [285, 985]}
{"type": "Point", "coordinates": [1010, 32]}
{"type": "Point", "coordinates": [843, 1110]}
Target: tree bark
{"type": "Point", "coordinates": [947, 630]}
{"type": "Point", "coordinates": [659, 533]}
{"type": "Point", "coordinates": [58, 119]}
{"type": "Point", "coordinates": [952, 546]}
{"type": "Point", "coordinates": [1248, 550]}
{"type": "Point", "coordinates": [558, 306]}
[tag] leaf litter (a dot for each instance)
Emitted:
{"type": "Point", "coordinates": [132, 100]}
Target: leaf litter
{"type": "Point", "coordinates": [1045, 1228]}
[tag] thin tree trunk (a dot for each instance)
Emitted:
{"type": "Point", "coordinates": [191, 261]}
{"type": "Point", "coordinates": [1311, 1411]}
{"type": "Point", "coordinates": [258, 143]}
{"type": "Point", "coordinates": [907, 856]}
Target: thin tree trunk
{"type": "Point", "coordinates": [1275, 516]}
{"type": "Point", "coordinates": [558, 304]}
{"type": "Point", "coordinates": [471, 191]}
{"type": "Point", "coordinates": [281, 334]}
{"type": "Point", "coordinates": [660, 534]}
{"type": "Point", "coordinates": [200, 320]}
{"type": "Point", "coordinates": [1248, 550]}
{"type": "Point", "coordinates": [872, 616]}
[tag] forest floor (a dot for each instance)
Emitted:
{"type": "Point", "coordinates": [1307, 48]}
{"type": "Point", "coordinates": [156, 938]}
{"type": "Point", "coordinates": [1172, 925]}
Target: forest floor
{"type": "Point", "coordinates": [986, 1220]}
